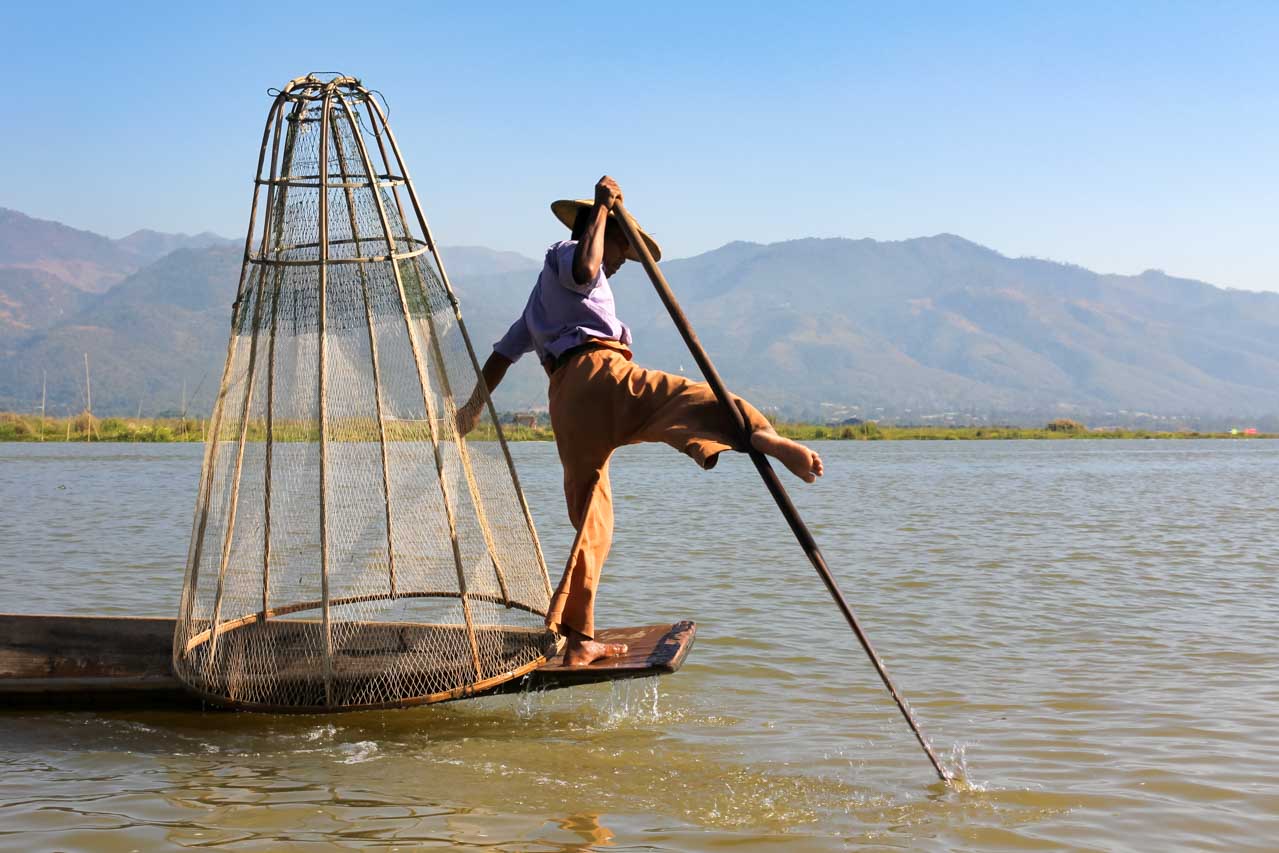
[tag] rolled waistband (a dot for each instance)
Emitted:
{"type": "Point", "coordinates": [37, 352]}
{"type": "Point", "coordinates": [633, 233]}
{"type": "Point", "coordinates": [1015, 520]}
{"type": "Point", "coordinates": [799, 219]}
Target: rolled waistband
{"type": "Point", "coordinates": [554, 363]}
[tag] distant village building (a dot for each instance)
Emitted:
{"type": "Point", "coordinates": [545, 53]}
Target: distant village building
{"type": "Point", "coordinates": [524, 419]}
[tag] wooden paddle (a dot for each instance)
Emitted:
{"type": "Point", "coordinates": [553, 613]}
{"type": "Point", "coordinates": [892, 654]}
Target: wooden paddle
{"type": "Point", "coordinates": [775, 487]}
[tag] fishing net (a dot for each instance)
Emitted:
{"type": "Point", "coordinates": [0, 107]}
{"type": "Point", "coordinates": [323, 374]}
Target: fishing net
{"type": "Point", "coordinates": [350, 548]}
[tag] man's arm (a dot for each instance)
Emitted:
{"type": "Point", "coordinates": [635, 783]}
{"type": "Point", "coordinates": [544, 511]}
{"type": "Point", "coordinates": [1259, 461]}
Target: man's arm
{"type": "Point", "coordinates": [589, 254]}
{"type": "Point", "coordinates": [493, 373]}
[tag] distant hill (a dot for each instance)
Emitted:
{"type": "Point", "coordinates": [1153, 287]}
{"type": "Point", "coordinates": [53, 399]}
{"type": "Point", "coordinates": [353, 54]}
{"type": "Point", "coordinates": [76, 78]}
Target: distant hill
{"type": "Point", "coordinates": [926, 326]}
{"type": "Point", "coordinates": [81, 258]}
{"type": "Point", "coordinates": [940, 328]}
{"type": "Point", "coordinates": [31, 300]}
{"type": "Point", "coordinates": [164, 325]}
{"type": "Point", "coordinates": [467, 261]}
{"type": "Point", "coordinates": [52, 304]}
{"type": "Point", "coordinates": [930, 329]}
{"type": "Point", "coordinates": [151, 245]}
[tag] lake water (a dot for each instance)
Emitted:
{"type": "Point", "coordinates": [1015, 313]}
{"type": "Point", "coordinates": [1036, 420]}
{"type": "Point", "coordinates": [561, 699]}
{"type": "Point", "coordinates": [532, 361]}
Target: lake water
{"type": "Point", "coordinates": [1088, 629]}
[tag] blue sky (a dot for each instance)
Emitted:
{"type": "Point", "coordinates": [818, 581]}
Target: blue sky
{"type": "Point", "coordinates": [1116, 136]}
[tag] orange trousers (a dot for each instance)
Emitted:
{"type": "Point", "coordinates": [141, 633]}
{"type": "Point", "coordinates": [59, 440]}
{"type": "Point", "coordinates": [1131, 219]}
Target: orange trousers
{"type": "Point", "coordinates": [600, 400]}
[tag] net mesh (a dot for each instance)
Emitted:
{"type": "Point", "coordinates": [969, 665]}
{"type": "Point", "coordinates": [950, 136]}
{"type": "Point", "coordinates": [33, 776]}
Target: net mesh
{"type": "Point", "coordinates": [349, 547]}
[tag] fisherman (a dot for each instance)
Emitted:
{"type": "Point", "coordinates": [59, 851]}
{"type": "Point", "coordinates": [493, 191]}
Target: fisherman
{"type": "Point", "coordinates": [601, 400]}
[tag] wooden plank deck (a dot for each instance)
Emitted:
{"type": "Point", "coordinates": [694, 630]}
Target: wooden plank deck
{"type": "Point", "coordinates": [652, 650]}
{"type": "Point", "coordinates": [107, 662]}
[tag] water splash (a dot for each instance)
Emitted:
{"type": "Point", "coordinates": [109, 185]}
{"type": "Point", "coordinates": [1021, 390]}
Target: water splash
{"type": "Point", "coordinates": [632, 701]}
{"type": "Point", "coordinates": [628, 701]}
{"type": "Point", "coordinates": [358, 753]}
{"type": "Point", "coordinates": [530, 700]}
{"type": "Point", "coordinates": [325, 732]}
{"type": "Point", "coordinates": [957, 766]}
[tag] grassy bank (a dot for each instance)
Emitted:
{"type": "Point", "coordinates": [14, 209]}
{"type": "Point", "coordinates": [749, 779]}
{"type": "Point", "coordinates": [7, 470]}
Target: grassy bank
{"type": "Point", "coordinates": [85, 427]}
{"type": "Point", "coordinates": [14, 427]}
{"type": "Point", "coordinates": [880, 432]}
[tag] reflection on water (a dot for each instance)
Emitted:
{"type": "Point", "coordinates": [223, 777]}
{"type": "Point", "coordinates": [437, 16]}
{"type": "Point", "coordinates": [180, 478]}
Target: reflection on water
{"type": "Point", "coordinates": [1085, 629]}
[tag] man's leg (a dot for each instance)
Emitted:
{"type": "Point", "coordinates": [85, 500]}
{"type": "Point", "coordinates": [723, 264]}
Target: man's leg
{"type": "Point", "coordinates": [687, 416]}
{"type": "Point", "coordinates": [572, 611]}
{"type": "Point", "coordinates": [582, 407]}
{"type": "Point", "coordinates": [600, 401]}
{"type": "Point", "coordinates": [801, 461]}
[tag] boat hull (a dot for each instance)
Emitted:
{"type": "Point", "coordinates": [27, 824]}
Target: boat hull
{"type": "Point", "coordinates": [115, 662]}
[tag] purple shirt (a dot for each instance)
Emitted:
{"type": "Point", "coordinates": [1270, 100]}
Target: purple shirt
{"type": "Point", "coordinates": [561, 313]}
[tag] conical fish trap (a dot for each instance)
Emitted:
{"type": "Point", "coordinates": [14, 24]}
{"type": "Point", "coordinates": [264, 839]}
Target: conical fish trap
{"type": "Point", "coordinates": [350, 549]}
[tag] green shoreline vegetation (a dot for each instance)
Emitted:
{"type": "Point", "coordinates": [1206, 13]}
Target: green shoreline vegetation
{"type": "Point", "coordinates": [85, 427]}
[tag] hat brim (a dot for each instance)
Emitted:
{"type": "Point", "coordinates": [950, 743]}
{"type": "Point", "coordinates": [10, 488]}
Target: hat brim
{"type": "Point", "coordinates": [566, 209]}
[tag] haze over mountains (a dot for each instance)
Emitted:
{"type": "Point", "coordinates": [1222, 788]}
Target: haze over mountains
{"type": "Point", "coordinates": [929, 329]}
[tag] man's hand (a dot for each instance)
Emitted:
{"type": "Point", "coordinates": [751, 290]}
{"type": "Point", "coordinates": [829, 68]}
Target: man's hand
{"type": "Point", "coordinates": [607, 193]}
{"type": "Point", "coordinates": [469, 415]}
{"type": "Point", "coordinates": [589, 254]}
{"type": "Point", "coordinates": [491, 375]}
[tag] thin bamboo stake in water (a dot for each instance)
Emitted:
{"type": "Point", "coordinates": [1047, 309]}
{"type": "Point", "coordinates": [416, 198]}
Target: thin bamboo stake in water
{"type": "Point", "coordinates": [775, 487]}
{"type": "Point", "coordinates": [88, 400]}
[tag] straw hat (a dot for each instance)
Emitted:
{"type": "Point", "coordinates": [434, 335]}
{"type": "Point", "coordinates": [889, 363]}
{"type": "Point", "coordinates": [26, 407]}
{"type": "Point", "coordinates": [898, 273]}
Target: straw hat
{"type": "Point", "coordinates": [566, 209]}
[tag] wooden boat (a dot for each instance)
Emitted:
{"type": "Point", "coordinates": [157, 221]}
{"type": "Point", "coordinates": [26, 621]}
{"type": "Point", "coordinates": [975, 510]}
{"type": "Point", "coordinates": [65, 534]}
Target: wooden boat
{"type": "Point", "coordinates": [108, 662]}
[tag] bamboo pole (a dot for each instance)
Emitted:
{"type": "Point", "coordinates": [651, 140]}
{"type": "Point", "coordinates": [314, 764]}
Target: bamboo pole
{"type": "Point", "coordinates": [246, 408]}
{"type": "Point", "coordinates": [245, 413]}
{"type": "Point", "coordinates": [427, 400]}
{"type": "Point", "coordinates": [196, 548]}
{"type": "Point", "coordinates": [273, 232]}
{"type": "Point", "coordinates": [774, 485]}
{"type": "Point", "coordinates": [376, 117]}
{"type": "Point", "coordinates": [464, 454]}
{"type": "Point", "coordinates": [273, 236]}
{"type": "Point", "coordinates": [322, 391]}
{"type": "Point", "coordinates": [373, 355]}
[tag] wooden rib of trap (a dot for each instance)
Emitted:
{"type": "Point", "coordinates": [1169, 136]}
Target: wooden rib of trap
{"type": "Point", "coordinates": [104, 662]}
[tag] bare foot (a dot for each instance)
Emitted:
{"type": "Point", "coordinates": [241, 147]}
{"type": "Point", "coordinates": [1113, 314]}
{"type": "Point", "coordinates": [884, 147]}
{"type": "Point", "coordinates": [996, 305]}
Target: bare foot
{"type": "Point", "coordinates": [581, 650]}
{"type": "Point", "coordinates": [798, 459]}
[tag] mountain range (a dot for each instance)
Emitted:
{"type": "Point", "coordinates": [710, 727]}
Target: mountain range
{"type": "Point", "coordinates": [923, 330]}
{"type": "Point", "coordinates": [88, 261]}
